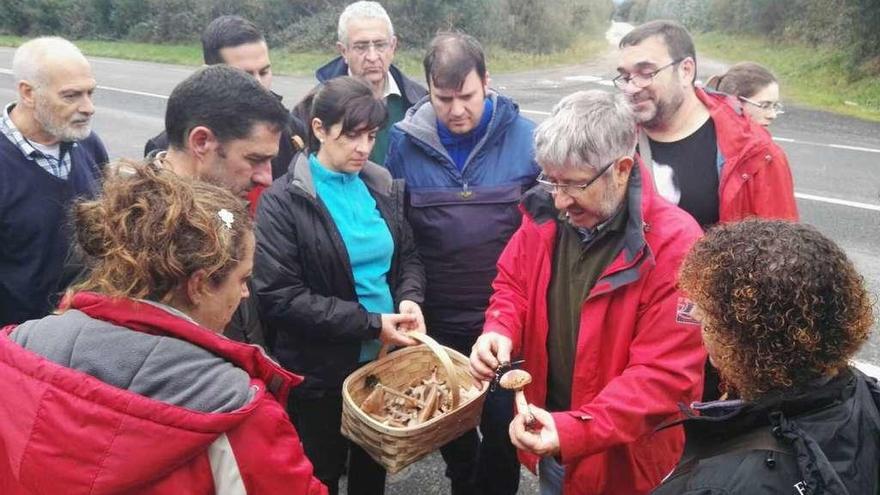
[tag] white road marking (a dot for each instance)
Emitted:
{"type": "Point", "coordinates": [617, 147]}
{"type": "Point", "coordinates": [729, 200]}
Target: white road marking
{"type": "Point", "coordinates": [866, 368]}
{"type": "Point", "coordinates": [829, 145]}
{"type": "Point", "coordinates": [111, 88]}
{"type": "Point", "coordinates": [835, 201]}
{"type": "Point", "coordinates": [587, 79]}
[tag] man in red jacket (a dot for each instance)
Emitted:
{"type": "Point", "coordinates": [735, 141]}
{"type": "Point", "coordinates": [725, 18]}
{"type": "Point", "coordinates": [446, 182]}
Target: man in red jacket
{"type": "Point", "coordinates": [586, 294]}
{"type": "Point", "coordinates": [705, 155]}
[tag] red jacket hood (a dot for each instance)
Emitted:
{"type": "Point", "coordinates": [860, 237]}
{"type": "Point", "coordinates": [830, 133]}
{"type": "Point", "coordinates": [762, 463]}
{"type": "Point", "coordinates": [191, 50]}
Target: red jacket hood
{"type": "Point", "coordinates": [66, 428]}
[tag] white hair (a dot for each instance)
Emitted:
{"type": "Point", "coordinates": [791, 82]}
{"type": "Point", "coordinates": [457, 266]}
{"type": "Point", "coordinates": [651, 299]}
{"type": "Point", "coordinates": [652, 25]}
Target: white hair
{"type": "Point", "coordinates": [587, 129]}
{"type": "Point", "coordinates": [362, 10]}
{"type": "Point", "coordinates": [29, 61]}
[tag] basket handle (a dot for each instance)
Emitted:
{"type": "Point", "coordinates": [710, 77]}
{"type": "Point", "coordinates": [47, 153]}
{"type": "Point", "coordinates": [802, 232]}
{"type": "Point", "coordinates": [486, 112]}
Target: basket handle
{"type": "Point", "coordinates": [441, 355]}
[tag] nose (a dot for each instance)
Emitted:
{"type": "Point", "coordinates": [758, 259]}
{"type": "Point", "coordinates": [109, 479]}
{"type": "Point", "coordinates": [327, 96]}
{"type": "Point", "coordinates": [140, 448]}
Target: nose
{"type": "Point", "coordinates": [363, 144]}
{"type": "Point", "coordinates": [561, 200]}
{"type": "Point", "coordinates": [87, 106]}
{"type": "Point", "coordinates": [457, 107]}
{"type": "Point", "coordinates": [262, 174]}
{"type": "Point", "coordinates": [372, 52]}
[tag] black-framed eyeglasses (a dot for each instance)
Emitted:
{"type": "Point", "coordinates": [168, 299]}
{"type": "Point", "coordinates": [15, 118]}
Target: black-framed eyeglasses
{"type": "Point", "coordinates": [362, 47]}
{"type": "Point", "coordinates": [776, 106]}
{"type": "Point", "coordinates": [571, 189]}
{"type": "Point", "coordinates": [641, 79]}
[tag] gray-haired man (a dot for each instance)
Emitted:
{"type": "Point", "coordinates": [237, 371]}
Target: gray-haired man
{"type": "Point", "coordinates": [586, 294]}
{"type": "Point", "coordinates": [366, 49]}
{"type": "Point", "coordinates": [48, 156]}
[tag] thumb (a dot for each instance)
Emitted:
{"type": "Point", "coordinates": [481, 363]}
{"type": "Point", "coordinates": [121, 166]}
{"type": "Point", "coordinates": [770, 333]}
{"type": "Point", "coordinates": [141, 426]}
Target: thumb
{"type": "Point", "coordinates": [502, 350]}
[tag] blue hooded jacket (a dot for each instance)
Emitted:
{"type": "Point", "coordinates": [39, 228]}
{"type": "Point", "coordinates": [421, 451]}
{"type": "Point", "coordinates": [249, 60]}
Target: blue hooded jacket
{"type": "Point", "coordinates": [462, 219]}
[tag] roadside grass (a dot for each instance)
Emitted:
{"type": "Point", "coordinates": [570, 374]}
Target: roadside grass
{"type": "Point", "coordinates": [812, 76]}
{"type": "Point", "coordinates": [500, 60]}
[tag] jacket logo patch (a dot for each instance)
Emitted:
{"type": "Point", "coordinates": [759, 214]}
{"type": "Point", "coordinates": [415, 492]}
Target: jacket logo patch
{"type": "Point", "coordinates": [685, 312]}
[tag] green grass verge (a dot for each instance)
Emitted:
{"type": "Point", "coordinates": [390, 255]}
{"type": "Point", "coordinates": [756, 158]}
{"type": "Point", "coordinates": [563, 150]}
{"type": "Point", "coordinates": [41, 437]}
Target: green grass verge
{"type": "Point", "coordinates": [812, 76]}
{"type": "Point", "coordinates": [284, 61]}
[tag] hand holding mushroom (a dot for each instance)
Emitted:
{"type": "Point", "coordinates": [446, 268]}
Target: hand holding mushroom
{"type": "Point", "coordinates": [540, 437]}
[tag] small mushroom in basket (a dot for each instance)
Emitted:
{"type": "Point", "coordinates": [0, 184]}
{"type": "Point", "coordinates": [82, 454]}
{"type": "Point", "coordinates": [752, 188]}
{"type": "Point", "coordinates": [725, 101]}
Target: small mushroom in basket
{"type": "Point", "coordinates": [375, 402]}
{"type": "Point", "coordinates": [516, 380]}
{"type": "Point", "coordinates": [432, 403]}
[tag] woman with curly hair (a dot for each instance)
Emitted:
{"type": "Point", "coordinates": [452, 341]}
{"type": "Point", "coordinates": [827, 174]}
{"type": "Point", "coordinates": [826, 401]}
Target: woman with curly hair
{"type": "Point", "coordinates": [783, 310]}
{"type": "Point", "coordinates": [131, 389]}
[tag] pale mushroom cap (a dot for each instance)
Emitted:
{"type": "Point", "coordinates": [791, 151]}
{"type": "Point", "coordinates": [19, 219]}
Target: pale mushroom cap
{"type": "Point", "coordinates": [515, 379]}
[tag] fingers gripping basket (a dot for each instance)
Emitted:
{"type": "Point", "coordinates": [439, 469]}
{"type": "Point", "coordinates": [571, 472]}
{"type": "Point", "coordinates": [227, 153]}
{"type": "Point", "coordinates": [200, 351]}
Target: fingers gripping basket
{"type": "Point", "coordinates": [397, 447]}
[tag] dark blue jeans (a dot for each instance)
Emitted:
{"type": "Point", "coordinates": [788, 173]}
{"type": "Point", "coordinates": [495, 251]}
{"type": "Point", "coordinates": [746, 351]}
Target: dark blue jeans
{"type": "Point", "coordinates": [490, 466]}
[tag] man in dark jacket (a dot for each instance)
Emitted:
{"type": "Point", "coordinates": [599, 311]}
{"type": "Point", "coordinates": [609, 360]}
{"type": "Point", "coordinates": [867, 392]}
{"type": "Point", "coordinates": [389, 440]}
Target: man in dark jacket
{"type": "Point", "coordinates": [237, 42]}
{"type": "Point", "coordinates": [48, 157]}
{"type": "Point", "coordinates": [366, 49]}
{"type": "Point", "coordinates": [466, 156]}
{"type": "Point", "coordinates": [235, 152]}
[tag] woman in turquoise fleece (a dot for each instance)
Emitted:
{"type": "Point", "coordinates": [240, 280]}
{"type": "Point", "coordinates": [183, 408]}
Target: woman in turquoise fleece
{"type": "Point", "coordinates": [336, 271]}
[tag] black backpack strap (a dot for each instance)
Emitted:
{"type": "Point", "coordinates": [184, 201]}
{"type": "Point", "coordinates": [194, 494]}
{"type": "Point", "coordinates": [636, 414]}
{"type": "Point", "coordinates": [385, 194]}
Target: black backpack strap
{"type": "Point", "coordinates": [758, 439]}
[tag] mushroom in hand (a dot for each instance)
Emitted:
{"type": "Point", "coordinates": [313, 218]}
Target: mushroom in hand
{"type": "Point", "coordinates": [516, 380]}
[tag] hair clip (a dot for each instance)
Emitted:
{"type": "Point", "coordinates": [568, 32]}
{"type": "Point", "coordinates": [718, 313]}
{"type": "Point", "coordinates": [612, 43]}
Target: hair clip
{"type": "Point", "coordinates": [226, 217]}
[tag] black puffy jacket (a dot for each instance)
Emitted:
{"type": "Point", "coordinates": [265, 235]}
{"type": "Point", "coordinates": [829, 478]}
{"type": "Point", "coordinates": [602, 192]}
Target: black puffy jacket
{"type": "Point", "coordinates": [824, 439]}
{"type": "Point", "coordinates": [304, 283]}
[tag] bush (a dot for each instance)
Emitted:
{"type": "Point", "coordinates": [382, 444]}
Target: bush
{"type": "Point", "coordinates": [850, 25]}
{"type": "Point", "coordinates": [528, 25]}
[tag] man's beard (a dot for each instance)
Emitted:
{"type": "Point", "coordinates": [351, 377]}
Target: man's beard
{"type": "Point", "coordinates": [663, 111]}
{"type": "Point", "coordinates": [63, 131]}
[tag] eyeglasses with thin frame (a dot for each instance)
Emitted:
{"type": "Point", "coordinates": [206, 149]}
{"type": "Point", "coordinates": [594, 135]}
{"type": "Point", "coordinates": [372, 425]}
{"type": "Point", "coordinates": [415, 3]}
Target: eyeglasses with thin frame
{"type": "Point", "coordinates": [776, 106]}
{"type": "Point", "coordinates": [572, 189]}
{"type": "Point", "coordinates": [362, 47]}
{"type": "Point", "coordinates": [640, 80]}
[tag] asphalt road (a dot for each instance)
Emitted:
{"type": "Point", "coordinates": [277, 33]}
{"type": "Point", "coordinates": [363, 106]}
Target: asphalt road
{"type": "Point", "coordinates": [834, 160]}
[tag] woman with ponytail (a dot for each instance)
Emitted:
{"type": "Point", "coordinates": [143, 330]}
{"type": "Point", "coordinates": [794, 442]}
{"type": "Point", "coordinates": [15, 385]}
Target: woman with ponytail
{"type": "Point", "coordinates": [755, 87]}
{"type": "Point", "coordinates": [131, 388]}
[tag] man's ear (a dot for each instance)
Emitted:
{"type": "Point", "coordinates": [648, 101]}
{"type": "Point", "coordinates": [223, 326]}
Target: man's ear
{"type": "Point", "coordinates": [26, 94]}
{"type": "Point", "coordinates": [340, 47]}
{"type": "Point", "coordinates": [689, 71]}
{"type": "Point", "coordinates": [201, 141]}
{"type": "Point", "coordinates": [623, 169]}
{"type": "Point", "coordinates": [393, 46]}
{"type": "Point", "coordinates": [196, 287]}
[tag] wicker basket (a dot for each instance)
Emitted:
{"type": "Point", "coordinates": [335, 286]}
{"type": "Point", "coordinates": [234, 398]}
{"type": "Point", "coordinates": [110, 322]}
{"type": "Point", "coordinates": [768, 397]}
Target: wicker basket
{"type": "Point", "coordinates": [395, 448]}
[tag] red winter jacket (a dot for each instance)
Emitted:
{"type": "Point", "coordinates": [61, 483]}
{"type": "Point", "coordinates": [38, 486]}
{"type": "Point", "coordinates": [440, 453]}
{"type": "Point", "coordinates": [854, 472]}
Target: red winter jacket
{"type": "Point", "coordinates": [755, 177]}
{"type": "Point", "coordinates": [65, 431]}
{"type": "Point", "coordinates": [638, 353]}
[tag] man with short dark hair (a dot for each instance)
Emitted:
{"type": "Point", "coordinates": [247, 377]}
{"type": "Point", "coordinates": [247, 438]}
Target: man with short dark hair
{"type": "Point", "coordinates": [235, 41]}
{"type": "Point", "coordinates": [366, 45]}
{"type": "Point", "coordinates": [586, 295]}
{"type": "Point", "coordinates": [466, 156]}
{"type": "Point", "coordinates": [704, 154]}
{"type": "Point", "coordinates": [232, 143]}
{"type": "Point", "coordinates": [48, 157]}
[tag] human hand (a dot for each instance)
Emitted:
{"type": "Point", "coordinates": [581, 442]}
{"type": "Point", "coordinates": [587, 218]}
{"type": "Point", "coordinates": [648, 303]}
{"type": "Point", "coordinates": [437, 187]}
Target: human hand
{"type": "Point", "coordinates": [391, 334]}
{"type": "Point", "coordinates": [490, 350]}
{"type": "Point", "coordinates": [538, 436]}
{"type": "Point", "coordinates": [411, 308]}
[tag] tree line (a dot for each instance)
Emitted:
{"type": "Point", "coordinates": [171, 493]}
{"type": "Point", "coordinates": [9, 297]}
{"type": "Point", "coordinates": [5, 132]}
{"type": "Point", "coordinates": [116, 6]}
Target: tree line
{"type": "Point", "coordinates": [522, 25]}
{"type": "Point", "coordinates": [853, 26]}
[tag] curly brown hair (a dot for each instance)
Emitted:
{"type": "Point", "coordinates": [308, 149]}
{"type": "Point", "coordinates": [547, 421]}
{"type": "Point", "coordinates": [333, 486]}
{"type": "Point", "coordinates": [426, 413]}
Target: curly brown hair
{"type": "Point", "coordinates": [780, 304]}
{"type": "Point", "coordinates": [151, 229]}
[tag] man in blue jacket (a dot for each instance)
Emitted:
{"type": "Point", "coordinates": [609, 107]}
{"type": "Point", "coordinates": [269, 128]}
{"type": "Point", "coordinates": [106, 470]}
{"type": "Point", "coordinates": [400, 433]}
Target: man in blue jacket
{"type": "Point", "coordinates": [49, 156]}
{"type": "Point", "coordinates": [366, 49]}
{"type": "Point", "coordinates": [467, 157]}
